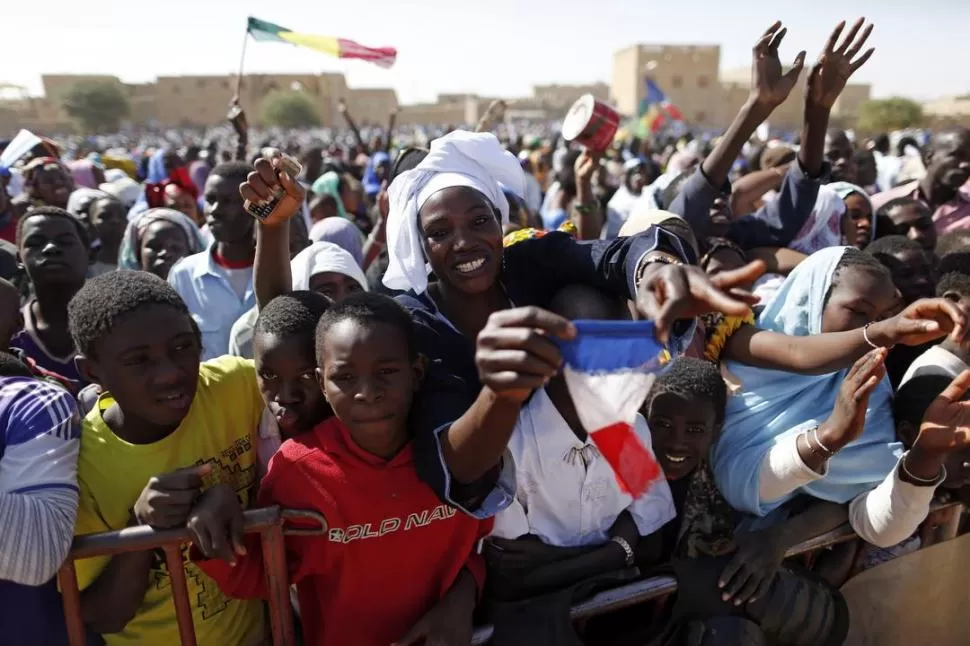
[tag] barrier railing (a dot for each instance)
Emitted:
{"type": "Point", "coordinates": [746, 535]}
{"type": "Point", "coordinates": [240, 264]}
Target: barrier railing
{"type": "Point", "coordinates": [658, 587]}
{"type": "Point", "coordinates": [268, 523]}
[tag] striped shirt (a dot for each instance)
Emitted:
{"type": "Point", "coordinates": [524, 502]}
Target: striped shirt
{"type": "Point", "coordinates": [39, 441]}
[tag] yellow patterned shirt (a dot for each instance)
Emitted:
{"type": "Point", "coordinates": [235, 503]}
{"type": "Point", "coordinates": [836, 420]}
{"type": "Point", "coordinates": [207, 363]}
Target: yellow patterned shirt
{"type": "Point", "coordinates": [218, 430]}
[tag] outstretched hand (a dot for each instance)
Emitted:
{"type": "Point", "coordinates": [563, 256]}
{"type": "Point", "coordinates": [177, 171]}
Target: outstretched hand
{"type": "Point", "coordinates": [831, 72]}
{"type": "Point", "coordinates": [668, 293]}
{"type": "Point", "coordinates": [923, 321]}
{"type": "Point", "coordinates": [770, 85]}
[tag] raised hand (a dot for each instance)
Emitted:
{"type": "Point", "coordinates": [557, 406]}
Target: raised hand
{"type": "Point", "coordinates": [946, 424]}
{"type": "Point", "coordinates": [770, 85]}
{"type": "Point", "coordinates": [831, 72]}
{"type": "Point", "coordinates": [269, 179]}
{"type": "Point", "coordinates": [848, 417]}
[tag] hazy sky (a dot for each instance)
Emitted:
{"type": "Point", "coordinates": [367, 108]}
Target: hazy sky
{"type": "Point", "coordinates": [491, 47]}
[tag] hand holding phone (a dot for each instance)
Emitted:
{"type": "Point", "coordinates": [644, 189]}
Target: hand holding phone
{"type": "Point", "coordinates": [271, 192]}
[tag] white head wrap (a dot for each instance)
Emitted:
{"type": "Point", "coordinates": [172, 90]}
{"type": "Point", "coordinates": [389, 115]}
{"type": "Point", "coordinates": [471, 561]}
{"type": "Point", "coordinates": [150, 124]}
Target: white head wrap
{"type": "Point", "coordinates": [322, 257]}
{"type": "Point", "coordinates": [472, 159]}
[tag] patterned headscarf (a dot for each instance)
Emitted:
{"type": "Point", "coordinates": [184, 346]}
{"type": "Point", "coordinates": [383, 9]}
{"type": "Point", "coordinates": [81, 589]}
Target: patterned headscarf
{"type": "Point", "coordinates": [129, 254]}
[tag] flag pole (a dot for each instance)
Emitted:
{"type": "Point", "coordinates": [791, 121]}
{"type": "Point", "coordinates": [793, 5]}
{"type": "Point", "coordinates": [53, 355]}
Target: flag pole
{"type": "Point", "coordinates": [242, 60]}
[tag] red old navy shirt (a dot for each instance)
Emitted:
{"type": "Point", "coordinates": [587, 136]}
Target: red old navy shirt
{"type": "Point", "coordinates": [392, 550]}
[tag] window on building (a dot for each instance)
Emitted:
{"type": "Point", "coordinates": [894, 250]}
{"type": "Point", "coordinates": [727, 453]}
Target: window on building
{"type": "Point", "coordinates": [702, 81]}
{"type": "Point", "coordinates": [701, 117]}
{"type": "Point", "coordinates": [200, 83]}
{"type": "Point", "coordinates": [176, 89]}
{"type": "Point", "coordinates": [225, 84]}
{"type": "Point", "coordinates": [676, 82]}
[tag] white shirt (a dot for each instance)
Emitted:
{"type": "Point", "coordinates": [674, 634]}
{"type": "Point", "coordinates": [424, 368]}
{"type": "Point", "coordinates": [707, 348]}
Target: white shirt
{"type": "Point", "coordinates": [558, 498]}
{"type": "Point", "coordinates": [935, 361]}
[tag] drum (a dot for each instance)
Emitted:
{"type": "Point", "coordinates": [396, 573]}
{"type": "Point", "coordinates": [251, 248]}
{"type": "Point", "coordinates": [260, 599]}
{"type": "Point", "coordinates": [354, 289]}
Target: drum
{"type": "Point", "coordinates": [592, 123]}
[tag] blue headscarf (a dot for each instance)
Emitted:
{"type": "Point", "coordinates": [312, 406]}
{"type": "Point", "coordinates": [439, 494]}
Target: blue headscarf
{"type": "Point", "coordinates": [774, 405]}
{"type": "Point", "coordinates": [372, 185]}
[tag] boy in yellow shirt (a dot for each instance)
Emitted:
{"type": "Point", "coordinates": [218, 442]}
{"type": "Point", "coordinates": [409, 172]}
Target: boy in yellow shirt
{"type": "Point", "coordinates": [164, 429]}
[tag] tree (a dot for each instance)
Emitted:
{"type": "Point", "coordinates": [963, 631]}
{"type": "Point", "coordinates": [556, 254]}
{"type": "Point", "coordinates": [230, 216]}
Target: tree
{"type": "Point", "coordinates": [886, 115]}
{"type": "Point", "coordinates": [290, 109]}
{"type": "Point", "coordinates": [97, 106]}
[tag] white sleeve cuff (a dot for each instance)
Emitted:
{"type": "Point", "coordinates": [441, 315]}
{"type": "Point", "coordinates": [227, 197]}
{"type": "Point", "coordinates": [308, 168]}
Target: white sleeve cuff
{"type": "Point", "coordinates": [783, 470]}
{"type": "Point", "coordinates": [890, 513]}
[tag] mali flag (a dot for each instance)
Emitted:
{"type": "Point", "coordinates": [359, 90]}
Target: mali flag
{"type": "Point", "coordinates": [339, 47]}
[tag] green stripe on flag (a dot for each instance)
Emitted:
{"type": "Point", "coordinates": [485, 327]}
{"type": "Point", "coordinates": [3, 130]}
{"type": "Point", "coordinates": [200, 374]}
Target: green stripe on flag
{"type": "Point", "coordinates": [266, 31]}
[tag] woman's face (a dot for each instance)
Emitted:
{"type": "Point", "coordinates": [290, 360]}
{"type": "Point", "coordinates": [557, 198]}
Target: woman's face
{"type": "Point", "coordinates": [462, 239]}
{"type": "Point", "coordinates": [162, 245]}
{"type": "Point", "coordinates": [858, 296]}
{"type": "Point", "coordinates": [52, 186]}
{"type": "Point", "coordinates": [109, 220]}
{"type": "Point", "coordinates": [334, 285]}
{"type": "Point", "coordinates": [857, 221]}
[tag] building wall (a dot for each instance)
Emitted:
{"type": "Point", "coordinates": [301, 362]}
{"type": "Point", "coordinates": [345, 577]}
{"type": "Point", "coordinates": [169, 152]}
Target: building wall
{"type": "Point", "coordinates": [560, 97]}
{"type": "Point", "coordinates": [690, 76]}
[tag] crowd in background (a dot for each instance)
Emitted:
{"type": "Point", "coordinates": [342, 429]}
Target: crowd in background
{"type": "Point", "coordinates": [384, 349]}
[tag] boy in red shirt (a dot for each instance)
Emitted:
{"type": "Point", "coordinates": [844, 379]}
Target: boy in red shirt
{"type": "Point", "coordinates": [397, 565]}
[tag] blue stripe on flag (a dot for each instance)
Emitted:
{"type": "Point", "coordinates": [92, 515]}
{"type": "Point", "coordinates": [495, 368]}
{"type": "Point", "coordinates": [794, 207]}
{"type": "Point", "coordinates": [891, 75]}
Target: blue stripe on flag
{"type": "Point", "coordinates": [604, 346]}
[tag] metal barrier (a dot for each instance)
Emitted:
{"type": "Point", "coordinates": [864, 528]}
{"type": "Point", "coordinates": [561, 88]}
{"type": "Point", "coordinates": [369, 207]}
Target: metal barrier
{"type": "Point", "coordinates": [659, 587]}
{"type": "Point", "coordinates": [268, 523]}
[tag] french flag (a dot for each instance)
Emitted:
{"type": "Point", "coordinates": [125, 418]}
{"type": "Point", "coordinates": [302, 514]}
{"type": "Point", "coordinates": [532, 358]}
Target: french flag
{"type": "Point", "coordinates": [609, 369]}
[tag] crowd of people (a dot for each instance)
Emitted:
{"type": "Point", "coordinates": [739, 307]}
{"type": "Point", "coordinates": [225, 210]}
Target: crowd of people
{"type": "Point", "coordinates": [385, 348]}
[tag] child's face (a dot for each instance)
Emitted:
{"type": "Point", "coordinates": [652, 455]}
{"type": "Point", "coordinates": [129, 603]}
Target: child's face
{"type": "Point", "coordinates": [162, 245]}
{"type": "Point", "coordinates": [52, 251]}
{"type": "Point", "coordinates": [333, 285]}
{"type": "Point", "coordinates": [150, 364]}
{"type": "Point", "coordinates": [682, 430]}
{"type": "Point", "coordinates": [858, 297]}
{"type": "Point", "coordinates": [369, 380]}
{"type": "Point", "coordinates": [287, 380]}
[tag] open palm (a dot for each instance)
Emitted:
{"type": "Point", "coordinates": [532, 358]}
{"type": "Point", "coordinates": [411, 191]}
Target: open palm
{"type": "Point", "coordinates": [829, 75]}
{"type": "Point", "coordinates": [770, 84]}
{"type": "Point", "coordinates": [946, 424]}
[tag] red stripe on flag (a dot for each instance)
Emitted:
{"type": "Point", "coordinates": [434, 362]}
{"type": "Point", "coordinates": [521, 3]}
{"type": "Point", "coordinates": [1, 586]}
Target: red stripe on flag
{"type": "Point", "coordinates": [381, 55]}
{"type": "Point", "coordinates": [635, 467]}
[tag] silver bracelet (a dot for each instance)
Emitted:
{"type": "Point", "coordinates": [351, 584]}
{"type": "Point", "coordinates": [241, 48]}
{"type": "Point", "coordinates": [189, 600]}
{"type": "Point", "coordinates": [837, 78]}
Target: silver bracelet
{"type": "Point", "coordinates": [865, 335]}
{"type": "Point", "coordinates": [921, 482]}
{"type": "Point", "coordinates": [826, 450]}
{"type": "Point", "coordinates": [622, 542]}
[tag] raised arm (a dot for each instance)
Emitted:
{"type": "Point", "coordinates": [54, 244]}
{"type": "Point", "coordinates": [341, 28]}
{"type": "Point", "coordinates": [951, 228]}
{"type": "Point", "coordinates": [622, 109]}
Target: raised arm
{"type": "Point", "coordinates": [778, 222]}
{"type": "Point", "coordinates": [271, 271]}
{"type": "Point", "coordinates": [342, 108]}
{"type": "Point", "coordinates": [391, 120]}
{"type": "Point", "coordinates": [770, 86]}
{"type": "Point", "coordinates": [922, 322]}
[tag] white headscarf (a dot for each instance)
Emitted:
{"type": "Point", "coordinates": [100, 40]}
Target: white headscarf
{"type": "Point", "coordinates": [472, 159]}
{"type": "Point", "coordinates": [322, 257]}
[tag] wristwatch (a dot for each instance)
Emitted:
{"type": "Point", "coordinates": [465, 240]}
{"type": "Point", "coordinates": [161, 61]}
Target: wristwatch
{"type": "Point", "coordinates": [622, 542]}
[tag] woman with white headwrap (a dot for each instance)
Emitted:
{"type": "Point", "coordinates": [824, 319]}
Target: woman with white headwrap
{"type": "Point", "coordinates": [480, 322]}
{"type": "Point", "coordinates": [323, 267]}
